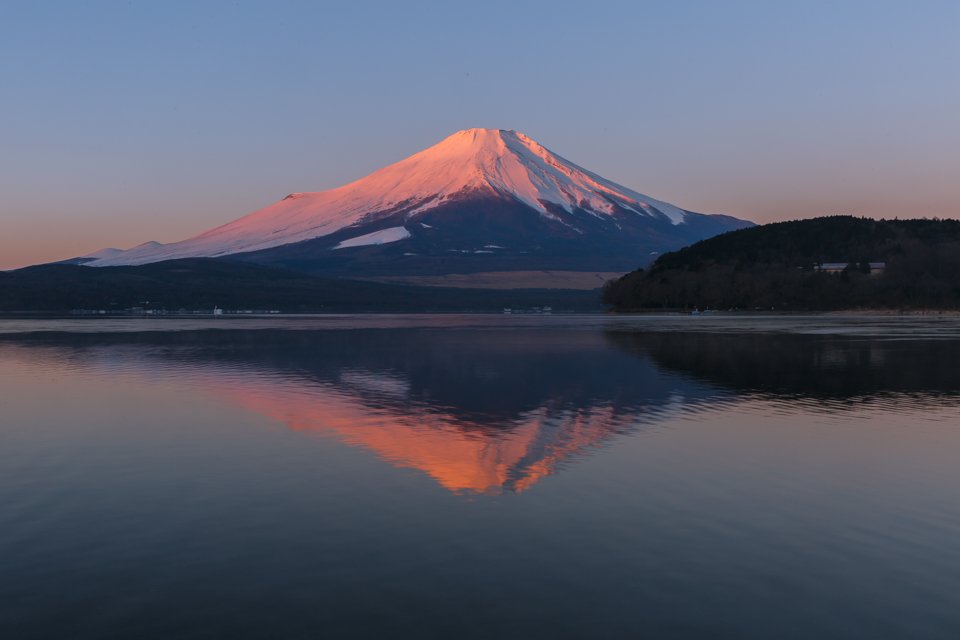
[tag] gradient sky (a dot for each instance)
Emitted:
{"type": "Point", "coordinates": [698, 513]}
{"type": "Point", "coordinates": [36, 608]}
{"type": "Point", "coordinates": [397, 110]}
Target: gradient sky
{"type": "Point", "coordinates": [122, 122]}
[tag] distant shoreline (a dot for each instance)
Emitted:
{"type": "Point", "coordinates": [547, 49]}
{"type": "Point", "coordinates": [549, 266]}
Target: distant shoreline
{"type": "Point", "coordinates": [66, 315]}
{"type": "Point", "coordinates": [773, 312]}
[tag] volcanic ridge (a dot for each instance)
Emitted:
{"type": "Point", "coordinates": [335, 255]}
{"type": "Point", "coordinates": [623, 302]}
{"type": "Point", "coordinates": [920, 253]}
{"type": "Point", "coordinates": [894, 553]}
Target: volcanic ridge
{"type": "Point", "coordinates": [481, 201]}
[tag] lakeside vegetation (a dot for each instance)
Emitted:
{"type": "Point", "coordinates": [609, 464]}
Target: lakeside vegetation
{"type": "Point", "coordinates": [774, 266]}
{"type": "Point", "coordinates": [202, 283]}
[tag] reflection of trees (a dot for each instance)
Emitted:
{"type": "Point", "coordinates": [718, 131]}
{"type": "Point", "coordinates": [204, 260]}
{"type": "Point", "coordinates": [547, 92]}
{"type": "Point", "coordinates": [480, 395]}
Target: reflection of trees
{"type": "Point", "coordinates": [818, 366]}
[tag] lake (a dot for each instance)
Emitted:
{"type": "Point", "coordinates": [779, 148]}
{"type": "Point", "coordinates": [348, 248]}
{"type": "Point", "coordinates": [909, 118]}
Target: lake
{"type": "Point", "coordinates": [480, 476]}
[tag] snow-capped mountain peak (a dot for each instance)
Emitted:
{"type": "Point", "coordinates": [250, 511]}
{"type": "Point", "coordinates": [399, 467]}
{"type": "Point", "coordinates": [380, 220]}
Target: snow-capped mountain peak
{"type": "Point", "coordinates": [509, 163]}
{"type": "Point", "coordinates": [492, 161]}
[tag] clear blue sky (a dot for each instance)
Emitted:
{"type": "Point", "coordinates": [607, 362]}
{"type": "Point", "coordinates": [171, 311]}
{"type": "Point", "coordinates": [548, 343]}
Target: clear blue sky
{"type": "Point", "coordinates": [122, 122]}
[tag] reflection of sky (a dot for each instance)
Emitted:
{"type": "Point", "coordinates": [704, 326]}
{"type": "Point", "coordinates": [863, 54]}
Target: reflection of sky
{"type": "Point", "coordinates": [130, 122]}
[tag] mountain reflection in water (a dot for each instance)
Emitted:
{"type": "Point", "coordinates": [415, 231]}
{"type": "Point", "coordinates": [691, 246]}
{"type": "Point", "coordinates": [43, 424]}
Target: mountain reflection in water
{"type": "Point", "coordinates": [497, 410]}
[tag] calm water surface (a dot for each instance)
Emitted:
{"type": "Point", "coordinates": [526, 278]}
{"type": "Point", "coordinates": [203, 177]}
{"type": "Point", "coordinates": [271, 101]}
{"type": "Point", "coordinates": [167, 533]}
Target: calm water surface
{"type": "Point", "coordinates": [480, 477]}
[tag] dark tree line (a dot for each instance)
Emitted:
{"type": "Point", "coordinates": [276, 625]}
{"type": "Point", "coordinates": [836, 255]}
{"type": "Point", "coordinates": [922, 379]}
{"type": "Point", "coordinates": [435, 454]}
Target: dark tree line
{"type": "Point", "coordinates": [201, 283]}
{"type": "Point", "coordinates": [773, 266]}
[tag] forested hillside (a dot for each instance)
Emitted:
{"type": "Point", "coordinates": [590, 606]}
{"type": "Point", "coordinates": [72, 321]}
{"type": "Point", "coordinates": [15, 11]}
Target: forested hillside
{"type": "Point", "coordinates": [773, 266]}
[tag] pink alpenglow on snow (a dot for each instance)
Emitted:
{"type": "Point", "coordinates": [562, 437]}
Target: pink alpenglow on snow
{"type": "Point", "coordinates": [103, 254]}
{"type": "Point", "coordinates": [506, 163]}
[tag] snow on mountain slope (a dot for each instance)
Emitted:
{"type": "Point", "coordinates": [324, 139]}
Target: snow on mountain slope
{"type": "Point", "coordinates": [109, 254]}
{"type": "Point", "coordinates": [103, 254]}
{"type": "Point", "coordinates": [377, 237]}
{"type": "Point", "coordinates": [505, 162]}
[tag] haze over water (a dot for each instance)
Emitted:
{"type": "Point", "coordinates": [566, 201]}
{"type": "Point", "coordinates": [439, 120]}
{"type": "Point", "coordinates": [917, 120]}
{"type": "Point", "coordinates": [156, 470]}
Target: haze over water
{"type": "Point", "coordinates": [480, 476]}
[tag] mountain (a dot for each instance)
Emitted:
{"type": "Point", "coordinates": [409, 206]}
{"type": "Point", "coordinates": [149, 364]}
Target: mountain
{"type": "Point", "coordinates": [483, 200]}
{"type": "Point", "coordinates": [107, 254]}
{"type": "Point", "coordinates": [776, 266]}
